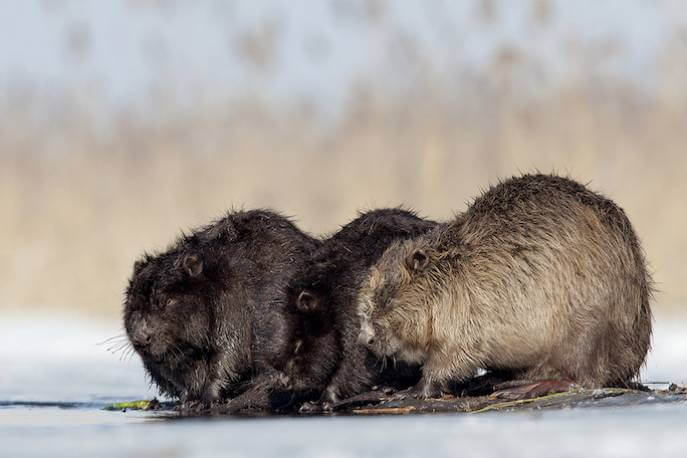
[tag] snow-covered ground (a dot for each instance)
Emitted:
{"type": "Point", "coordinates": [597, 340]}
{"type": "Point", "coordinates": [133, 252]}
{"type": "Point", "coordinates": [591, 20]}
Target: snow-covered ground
{"type": "Point", "coordinates": [57, 360]}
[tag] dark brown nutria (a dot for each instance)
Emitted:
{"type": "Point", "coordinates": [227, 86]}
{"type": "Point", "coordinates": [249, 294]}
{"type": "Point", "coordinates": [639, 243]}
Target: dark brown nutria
{"type": "Point", "coordinates": [206, 316]}
{"type": "Point", "coordinates": [540, 277]}
{"type": "Point", "coordinates": [323, 356]}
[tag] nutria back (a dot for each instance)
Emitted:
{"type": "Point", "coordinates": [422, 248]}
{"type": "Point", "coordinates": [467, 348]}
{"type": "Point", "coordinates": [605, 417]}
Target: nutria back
{"type": "Point", "coordinates": [206, 314]}
{"type": "Point", "coordinates": [539, 276]}
{"type": "Point", "coordinates": [603, 269]}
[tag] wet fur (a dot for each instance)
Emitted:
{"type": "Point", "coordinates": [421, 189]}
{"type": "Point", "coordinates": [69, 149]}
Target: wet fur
{"type": "Point", "coordinates": [212, 304]}
{"type": "Point", "coordinates": [540, 277]}
{"type": "Point", "coordinates": [324, 357]}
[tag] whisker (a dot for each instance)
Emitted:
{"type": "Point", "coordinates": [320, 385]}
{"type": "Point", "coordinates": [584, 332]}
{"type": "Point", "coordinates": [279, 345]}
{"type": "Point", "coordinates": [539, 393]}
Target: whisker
{"type": "Point", "coordinates": [130, 352]}
{"type": "Point", "coordinates": [114, 352]}
{"type": "Point", "coordinates": [112, 339]}
{"type": "Point", "coordinates": [117, 347]}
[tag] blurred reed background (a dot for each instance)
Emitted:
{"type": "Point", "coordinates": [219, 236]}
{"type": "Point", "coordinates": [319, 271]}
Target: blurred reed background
{"type": "Point", "coordinates": [122, 123]}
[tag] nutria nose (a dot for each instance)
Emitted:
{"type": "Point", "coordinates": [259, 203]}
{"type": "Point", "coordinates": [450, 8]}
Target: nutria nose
{"type": "Point", "coordinates": [142, 339]}
{"type": "Point", "coordinates": [366, 337]}
{"type": "Point", "coordinates": [142, 335]}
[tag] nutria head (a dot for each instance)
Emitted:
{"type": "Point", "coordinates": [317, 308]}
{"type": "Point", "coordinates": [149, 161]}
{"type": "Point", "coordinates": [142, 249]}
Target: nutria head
{"type": "Point", "coordinates": [168, 323]}
{"type": "Point", "coordinates": [206, 314]}
{"type": "Point", "coordinates": [396, 300]}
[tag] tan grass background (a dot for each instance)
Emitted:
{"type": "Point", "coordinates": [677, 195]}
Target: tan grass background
{"type": "Point", "coordinates": [78, 208]}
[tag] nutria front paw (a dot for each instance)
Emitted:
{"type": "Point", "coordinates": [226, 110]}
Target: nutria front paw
{"type": "Point", "coordinates": [311, 407]}
{"type": "Point", "coordinates": [325, 404]}
{"type": "Point", "coordinates": [331, 396]}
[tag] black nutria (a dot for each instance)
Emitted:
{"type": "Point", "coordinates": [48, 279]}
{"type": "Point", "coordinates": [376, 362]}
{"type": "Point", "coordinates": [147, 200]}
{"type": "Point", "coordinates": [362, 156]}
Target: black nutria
{"type": "Point", "coordinates": [206, 316]}
{"type": "Point", "coordinates": [323, 356]}
{"type": "Point", "coordinates": [540, 277]}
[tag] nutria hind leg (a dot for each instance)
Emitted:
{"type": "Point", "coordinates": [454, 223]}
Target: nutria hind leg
{"type": "Point", "coordinates": [516, 390]}
{"type": "Point", "coordinates": [534, 382]}
{"type": "Point", "coordinates": [444, 371]}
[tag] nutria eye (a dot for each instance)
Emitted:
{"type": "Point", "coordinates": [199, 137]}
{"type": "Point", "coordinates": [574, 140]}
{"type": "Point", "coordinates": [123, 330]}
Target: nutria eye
{"type": "Point", "coordinates": [164, 303]}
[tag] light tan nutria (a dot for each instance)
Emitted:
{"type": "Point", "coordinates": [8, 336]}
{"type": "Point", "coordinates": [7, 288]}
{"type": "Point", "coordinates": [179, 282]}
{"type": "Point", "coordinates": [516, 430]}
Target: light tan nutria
{"type": "Point", "coordinates": [540, 277]}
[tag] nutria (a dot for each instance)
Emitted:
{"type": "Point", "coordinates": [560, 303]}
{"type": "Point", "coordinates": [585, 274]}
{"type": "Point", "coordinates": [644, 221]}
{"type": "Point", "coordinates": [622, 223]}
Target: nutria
{"type": "Point", "coordinates": [540, 277]}
{"type": "Point", "coordinates": [206, 315]}
{"type": "Point", "coordinates": [323, 356]}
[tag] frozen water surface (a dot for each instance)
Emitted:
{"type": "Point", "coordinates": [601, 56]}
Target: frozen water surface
{"type": "Point", "coordinates": [55, 380]}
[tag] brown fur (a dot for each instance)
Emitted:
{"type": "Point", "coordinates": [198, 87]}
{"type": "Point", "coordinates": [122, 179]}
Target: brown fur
{"type": "Point", "coordinates": [540, 277]}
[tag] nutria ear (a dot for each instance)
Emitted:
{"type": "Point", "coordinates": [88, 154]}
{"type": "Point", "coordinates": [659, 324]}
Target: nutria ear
{"type": "Point", "coordinates": [193, 265]}
{"type": "Point", "coordinates": [307, 302]}
{"type": "Point", "coordinates": [418, 260]}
